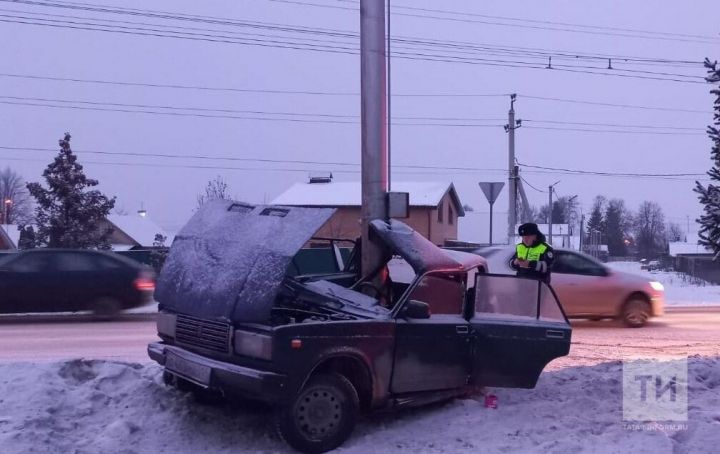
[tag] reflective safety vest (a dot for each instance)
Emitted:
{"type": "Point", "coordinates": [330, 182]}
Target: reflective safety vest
{"type": "Point", "coordinates": [530, 253]}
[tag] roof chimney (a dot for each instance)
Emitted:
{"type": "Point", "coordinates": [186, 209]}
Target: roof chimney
{"type": "Point", "coordinates": [321, 177]}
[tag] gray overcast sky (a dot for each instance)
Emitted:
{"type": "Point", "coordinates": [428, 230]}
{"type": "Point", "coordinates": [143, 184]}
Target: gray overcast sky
{"type": "Point", "coordinates": [169, 191]}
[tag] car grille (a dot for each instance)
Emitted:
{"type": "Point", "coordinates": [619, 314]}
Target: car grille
{"type": "Point", "coordinates": [206, 334]}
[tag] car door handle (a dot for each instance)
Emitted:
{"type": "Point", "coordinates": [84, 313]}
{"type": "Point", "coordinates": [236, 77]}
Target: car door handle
{"type": "Point", "coordinates": [462, 329]}
{"type": "Point", "coordinates": [555, 334]}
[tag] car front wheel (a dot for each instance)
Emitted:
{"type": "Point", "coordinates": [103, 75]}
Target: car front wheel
{"type": "Point", "coordinates": [321, 416]}
{"type": "Point", "coordinates": [636, 313]}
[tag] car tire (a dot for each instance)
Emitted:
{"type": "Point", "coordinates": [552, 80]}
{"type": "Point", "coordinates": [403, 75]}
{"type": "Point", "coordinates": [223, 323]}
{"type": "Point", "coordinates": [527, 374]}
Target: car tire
{"type": "Point", "coordinates": [106, 308]}
{"type": "Point", "coordinates": [321, 416]}
{"type": "Point", "coordinates": [635, 313]}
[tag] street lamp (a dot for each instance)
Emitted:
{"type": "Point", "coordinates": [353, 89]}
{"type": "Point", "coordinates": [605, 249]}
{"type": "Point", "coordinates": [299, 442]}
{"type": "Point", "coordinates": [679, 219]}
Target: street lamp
{"type": "Point", "coordinates": [6, 207]}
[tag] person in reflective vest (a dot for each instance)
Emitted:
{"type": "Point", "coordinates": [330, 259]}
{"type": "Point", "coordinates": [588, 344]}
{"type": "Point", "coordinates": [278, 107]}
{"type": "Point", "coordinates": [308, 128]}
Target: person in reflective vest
{"type": "Point", "coordinates": [533, 256]}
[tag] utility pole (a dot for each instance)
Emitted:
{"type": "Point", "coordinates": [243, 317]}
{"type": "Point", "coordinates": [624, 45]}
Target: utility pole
{"type": "Point", "coordinates": [582, 231]}
{"type": "Point", "coordinates": [510, 128]}
{"type": "Point", "coordinates": [551, 188]}
{"type": "Point", "coordinates": [373, 126]}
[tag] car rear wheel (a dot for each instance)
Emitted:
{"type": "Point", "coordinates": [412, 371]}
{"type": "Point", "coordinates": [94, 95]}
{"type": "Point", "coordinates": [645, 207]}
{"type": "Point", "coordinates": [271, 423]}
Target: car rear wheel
{"type": "Point", "coordinates": [106, 307]}
{"type": "Point", "coordinates": [321, 416]}
{"type": "Point", "coordinates": [636, 313]}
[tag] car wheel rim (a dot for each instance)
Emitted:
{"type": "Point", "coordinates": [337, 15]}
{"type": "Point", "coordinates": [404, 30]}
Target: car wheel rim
{"type": "Point", "coordinates": [318, 413]}
{"type": "Point", "coordinates": [636, 316]}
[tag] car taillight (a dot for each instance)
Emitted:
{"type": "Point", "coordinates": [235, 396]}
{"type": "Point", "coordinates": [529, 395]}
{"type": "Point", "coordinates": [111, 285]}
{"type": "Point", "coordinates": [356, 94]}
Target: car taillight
{"type": "Point", "coordinates": [145, 284]}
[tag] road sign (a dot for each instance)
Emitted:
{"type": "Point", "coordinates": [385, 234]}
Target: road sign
{"type": "Point", "coordinates": [491, 191]}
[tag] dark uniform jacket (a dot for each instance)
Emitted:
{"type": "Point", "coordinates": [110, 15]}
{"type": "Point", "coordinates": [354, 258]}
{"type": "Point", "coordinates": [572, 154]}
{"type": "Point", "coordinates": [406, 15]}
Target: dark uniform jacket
{"type": "Point", "coordinates": [540, 256]}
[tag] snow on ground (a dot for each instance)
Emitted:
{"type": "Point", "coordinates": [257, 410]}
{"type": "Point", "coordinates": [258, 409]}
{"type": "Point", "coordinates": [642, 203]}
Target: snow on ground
{"type": "Point", "coordinates": [680, 288]}
{"type": "Point", "coordinates": [93, 407]}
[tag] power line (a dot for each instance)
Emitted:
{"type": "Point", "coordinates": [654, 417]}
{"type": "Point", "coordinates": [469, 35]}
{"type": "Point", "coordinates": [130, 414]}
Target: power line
{"type": "Point", "coordinates": [605, 104]}
{"type": "Point", "coordinates": [615, 131]}
{"type": "Point", "coordinates": [306, 117]}
{"type": "Point", "coordinates": [414, 169]}
{"type": "Point", "coordinates": [475, 47]}
{"type": "Point", "coordinates": [546, 25]}
{"type": "Point", "coordinates": [623, 174]}
{"type": "Point", "coordinates": [531, 186]}
{"type": "Point", "coordinates": [618, 125]}
{"type": "Point", "coordinates": [261, 160]}
{"type": "Point", "coordinates": [294, 45]}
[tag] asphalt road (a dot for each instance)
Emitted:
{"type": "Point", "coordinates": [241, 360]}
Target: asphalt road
{"type": "Point", "coordinates": [685, 333]}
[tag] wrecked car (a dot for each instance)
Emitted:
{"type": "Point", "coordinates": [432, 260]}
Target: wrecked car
{"type": "Point", "coordinates": [323, 348]}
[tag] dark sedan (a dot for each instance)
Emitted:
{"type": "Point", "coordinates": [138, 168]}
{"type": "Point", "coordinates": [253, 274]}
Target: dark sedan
{"type": "Point", "coordinates": [55, 280]}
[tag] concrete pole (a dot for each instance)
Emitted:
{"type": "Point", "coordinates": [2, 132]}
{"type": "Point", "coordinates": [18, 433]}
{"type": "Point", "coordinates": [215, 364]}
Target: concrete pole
{"type": "Point", "coordinates": [374, 126]}
{"type": "Point", "coordinates": [550, 210]}
{"type": "Point", "coordinates": [512, 177]}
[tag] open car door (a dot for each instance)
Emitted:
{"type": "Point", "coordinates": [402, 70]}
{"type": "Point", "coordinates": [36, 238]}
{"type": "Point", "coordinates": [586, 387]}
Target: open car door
{"type": "Point", "coordinates": [518, 328]}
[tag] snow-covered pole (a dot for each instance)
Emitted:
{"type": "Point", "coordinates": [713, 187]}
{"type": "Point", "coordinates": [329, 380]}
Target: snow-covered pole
{"type": "Point", "coordinates": [374, 126]}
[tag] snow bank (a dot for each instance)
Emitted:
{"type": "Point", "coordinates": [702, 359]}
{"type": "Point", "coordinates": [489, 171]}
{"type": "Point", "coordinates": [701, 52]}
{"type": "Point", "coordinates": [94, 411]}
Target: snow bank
{"type": "Point", "coordinates": [680, 288]}
{"type": "Point", "coordinates": [109, 407]}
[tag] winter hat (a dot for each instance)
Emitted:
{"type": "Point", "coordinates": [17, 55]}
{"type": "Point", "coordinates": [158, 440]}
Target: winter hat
{"type": "Point", "coordinates": [529, 229]}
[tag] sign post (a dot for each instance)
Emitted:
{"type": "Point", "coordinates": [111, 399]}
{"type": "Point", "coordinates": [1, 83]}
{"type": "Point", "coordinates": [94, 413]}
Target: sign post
{"type": "Point", "coordinates": [492, 191]}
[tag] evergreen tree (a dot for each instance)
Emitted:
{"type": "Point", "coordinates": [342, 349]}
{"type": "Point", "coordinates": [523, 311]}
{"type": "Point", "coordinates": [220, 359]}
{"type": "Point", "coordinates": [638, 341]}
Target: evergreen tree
{"type": "Point", "coordinates": [710, 196]}
{"type": "Point", "coordinates": [159, 253]}
{"type": "Point", "coordinates": [596, 223]}
{"type": "Point", "coordinates": [28, 238]}
{"type": "Point", "coordinates": [68, 213]}
{"type": "Point", "coordinates": [617, 225]}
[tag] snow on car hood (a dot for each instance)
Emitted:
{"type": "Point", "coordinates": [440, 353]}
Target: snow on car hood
{"type": "Point", "coordinates": [229, 260]}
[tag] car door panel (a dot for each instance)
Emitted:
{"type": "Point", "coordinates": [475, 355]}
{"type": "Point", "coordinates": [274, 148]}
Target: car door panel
{"type": "Point", "coordinates": [518, 327]}
{"type": "Point", "coordinates": [433, 353]}
{"type": "Point", "coordinates": [583, 286]}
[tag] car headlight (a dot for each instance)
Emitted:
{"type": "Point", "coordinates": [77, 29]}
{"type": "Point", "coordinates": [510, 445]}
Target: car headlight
{"type": "Point", "coordinates": [253, 344]}
{"type": "Point", "coordinates": [657, 286]}
{"type": "Point", "coordinates": [166, 324]}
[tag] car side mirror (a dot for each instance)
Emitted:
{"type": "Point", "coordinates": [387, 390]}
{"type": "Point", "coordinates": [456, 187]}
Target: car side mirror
{"type": "Point", "coordinates": [416, 309]}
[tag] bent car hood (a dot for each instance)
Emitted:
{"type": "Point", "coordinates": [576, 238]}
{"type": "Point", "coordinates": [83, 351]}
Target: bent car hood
{"type": "Point", "coordinates": [228, 262]}
{"type": "Point", "coordinates": [421, 253]}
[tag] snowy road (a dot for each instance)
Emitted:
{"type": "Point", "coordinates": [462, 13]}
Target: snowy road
{"type": "Point", "coordinates": [49, 404]}
{"type": "Point", "coordinates": [593, 342]}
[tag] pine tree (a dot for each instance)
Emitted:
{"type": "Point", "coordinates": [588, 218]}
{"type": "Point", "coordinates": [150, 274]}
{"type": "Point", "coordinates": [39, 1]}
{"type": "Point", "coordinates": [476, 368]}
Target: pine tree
{"type": "Point", "coordinates": [710, 196]}
{"type": "Point", "coordinates": [596, 223]}
{"type": "Point", "coordinates": [159, 253]}
{"type": "Point", "coordinates": [68, 213]}
{"type": "Point", "coordinates": [617, 225]}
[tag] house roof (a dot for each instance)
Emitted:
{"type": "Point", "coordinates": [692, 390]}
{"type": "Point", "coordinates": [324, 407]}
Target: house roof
{"type": "Point", "coordinates": [141, 229]}
{"type": "Point", "coordinates": [679, 248]}
{"type": "Point", "coordinates": [11, 234]}
{"type": "Point", "coordinates": [348, 194]}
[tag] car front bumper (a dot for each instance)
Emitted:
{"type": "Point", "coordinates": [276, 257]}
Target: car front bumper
{"type": "Point", "coordinates": [214, 374]}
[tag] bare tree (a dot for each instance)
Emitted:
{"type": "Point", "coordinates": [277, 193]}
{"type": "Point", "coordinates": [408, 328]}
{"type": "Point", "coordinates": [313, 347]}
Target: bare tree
{"type": "Point", "coordinates": [674, 232]}
{"type": "Point", "coordinates": [15, 199]}
{"type": "Point", "coordinates": [650, 229]}
{"type": "Point", "coordinates": [216, 189]}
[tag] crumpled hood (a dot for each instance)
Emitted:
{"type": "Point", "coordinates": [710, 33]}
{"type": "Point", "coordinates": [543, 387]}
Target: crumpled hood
{"type": "Point", "coordinates": [228, 262]}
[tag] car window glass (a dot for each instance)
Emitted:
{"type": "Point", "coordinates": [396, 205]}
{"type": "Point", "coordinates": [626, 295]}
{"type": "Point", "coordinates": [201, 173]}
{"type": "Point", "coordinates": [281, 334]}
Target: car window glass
{"type": "Point", "coordinates": [107, 262]}
{"type": "Point", "coordinates": [576, 264]}
{"type": "Point", "coordinates": [74, 262]}
{"type": "Point", "coordinates": [29, 263]}
{"type": "Point", "coordinates": [506, 297]}
{"type": "Point", "coordinates": [443, 293]}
